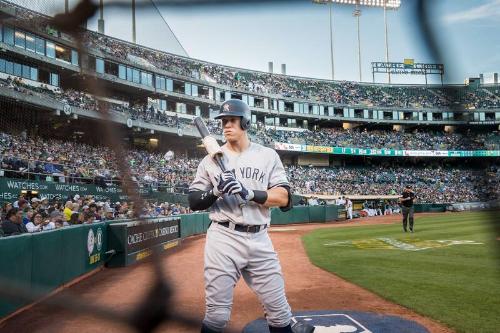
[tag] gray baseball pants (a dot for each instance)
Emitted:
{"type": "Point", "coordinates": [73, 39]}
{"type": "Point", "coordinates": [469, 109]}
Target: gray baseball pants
{"type": "Point", "coordinates": [231, 254]}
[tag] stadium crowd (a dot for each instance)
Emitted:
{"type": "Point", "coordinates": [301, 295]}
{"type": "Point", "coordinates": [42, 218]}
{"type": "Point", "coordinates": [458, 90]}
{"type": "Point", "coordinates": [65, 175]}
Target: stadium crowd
{"type": "Point", "coordinates": [41, 214]}
{"type": "Point", "coordinates": [433, 184]}
{"type": "Point", "coordinates": [378, 139]}
{"type": "Point", "coordinates": [70, 162]}
{"type": "Point", "coordinates": [338, 92]}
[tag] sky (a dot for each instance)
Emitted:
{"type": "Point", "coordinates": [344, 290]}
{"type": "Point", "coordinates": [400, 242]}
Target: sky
{"type": "Point", "coordinates": [297, 34]}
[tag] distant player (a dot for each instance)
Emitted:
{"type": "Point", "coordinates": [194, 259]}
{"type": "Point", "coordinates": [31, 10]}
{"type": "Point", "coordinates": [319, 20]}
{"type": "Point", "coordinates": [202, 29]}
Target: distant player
{"type": "Point", "coordinates": [406, 201]}
{"type": "Point", "coordinates": [237, 241]}
{"type": "Point", "coordinates": [348, 206]}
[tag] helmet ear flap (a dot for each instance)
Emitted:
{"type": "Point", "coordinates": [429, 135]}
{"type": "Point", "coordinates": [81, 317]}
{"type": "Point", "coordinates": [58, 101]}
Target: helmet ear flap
{"type": "Point", "coordinates": [244, 123]}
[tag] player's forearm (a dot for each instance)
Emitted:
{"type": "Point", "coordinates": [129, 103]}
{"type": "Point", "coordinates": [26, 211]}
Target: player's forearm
{"type": "Point", "coordinates": [201, 200]}
{"type": "Point", "coordinates": [277, 197]}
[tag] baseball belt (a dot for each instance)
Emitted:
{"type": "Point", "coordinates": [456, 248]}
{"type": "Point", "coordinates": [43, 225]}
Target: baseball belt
{"type": "Point", "coordinates": [243, 227]}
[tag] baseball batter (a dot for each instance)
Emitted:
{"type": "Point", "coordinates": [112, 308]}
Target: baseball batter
{"type": "Point", "coordinates": [237, 241]}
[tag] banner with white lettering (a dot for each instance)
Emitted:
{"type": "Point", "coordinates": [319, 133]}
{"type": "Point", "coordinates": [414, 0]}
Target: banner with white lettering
{"type": "Point", "coordinates": [147, 235]}
{"type": "Point", "coordinates": [10, 188]}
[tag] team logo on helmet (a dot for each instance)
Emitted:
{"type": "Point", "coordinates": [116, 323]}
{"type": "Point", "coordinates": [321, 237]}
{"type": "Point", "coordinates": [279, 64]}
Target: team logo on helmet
{"type": "Point", "coordinates": [226, 107]}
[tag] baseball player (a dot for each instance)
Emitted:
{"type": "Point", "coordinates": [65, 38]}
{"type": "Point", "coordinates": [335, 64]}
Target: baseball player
{"type": "Point", "coordinates": [237, 242]}
{"type": "Point", "coordinates": [348, 205]}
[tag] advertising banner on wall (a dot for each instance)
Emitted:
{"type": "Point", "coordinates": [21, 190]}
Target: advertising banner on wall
{"type": "Point", "coordinates": [10, 188]}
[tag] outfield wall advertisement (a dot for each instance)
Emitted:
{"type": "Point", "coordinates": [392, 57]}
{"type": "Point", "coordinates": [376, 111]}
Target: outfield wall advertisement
{"type": "Point", "coordinates": [10, 188]}
{"type": "Point", "coordinates": [384, 152]}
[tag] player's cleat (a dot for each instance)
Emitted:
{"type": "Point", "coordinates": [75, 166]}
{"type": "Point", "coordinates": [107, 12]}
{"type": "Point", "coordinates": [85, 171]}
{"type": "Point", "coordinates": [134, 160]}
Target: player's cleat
{"type": "Point", "coordinates": [302, 327]}
{"type": "Point", "coordinates": [206, 329]}
{"type": "Point", "coordinates": [286, 329]}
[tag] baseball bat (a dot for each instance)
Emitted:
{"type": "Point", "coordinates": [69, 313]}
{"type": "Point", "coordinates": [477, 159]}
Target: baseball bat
{"type": "Point", "coordinates": [213, 149]}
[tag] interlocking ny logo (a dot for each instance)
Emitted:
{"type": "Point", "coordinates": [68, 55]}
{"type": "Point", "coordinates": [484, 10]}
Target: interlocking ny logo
{"type": "Point", "coordinates": [226, 107]}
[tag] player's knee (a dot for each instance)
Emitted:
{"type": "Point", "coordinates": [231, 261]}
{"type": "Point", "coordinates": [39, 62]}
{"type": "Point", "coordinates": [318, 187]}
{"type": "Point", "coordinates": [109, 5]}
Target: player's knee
{"type": "Point", "coordinates": [216, 318]}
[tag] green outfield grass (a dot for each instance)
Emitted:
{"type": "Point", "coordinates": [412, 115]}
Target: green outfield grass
{"type": "Point", "coordinates": [458, 285]}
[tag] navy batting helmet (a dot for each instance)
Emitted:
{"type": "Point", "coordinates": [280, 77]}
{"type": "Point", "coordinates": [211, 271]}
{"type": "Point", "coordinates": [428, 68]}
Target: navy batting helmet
{"type": "Point", "coordinates": [236, 108]}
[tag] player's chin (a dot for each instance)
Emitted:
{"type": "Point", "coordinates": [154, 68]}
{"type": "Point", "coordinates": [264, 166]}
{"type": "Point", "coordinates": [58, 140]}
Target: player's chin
{"type": "Point", "coordinates": [229, 136]}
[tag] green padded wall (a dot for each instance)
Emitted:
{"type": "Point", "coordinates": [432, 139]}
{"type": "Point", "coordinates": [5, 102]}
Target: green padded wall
{"type": "Point", "coordinates": [15, 265]}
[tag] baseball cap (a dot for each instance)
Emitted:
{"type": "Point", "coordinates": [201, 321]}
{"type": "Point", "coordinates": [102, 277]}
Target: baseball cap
{"type": "Point", "coordinates": [35, 199]}
{"type": "Point", "coordinates": [55, 213]}
{"type": "Point", "coordinates": [76, 197]}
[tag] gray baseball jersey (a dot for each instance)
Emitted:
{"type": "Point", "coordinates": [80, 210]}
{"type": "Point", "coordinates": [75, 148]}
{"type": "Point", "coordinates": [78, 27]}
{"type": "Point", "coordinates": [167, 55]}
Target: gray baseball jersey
{"type": "Point", "coordinates": [257, 168]}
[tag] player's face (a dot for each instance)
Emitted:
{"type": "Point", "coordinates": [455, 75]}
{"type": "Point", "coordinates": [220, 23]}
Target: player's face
{"type": "Point", "coordinates": [231, 128]}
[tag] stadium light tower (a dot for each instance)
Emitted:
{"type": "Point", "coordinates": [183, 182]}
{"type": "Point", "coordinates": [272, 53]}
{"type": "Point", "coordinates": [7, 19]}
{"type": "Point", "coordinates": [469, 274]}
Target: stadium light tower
{"type": "Point", "coordinates": [134, 39]}
{"type": "Point", "coordinates": [394, 5]}
{"type": "Point", "coordinates": [385, 4]}
{"type": "Point", "coordinates": [100, 22]}
{"type": "Point", "coordinates": [332, 58]}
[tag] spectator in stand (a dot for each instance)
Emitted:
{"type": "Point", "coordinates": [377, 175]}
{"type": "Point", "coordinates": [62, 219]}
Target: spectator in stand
{"type": "Point", "coordinates": [19, 198]}
{"type": "Point", "coordinates": [68, 210]}
{"type": "Point", "coordinates": [39, 224]}
{"type": "Point", "coordinates": [57, 220]}
{"type": "Point", "coordinates": [35, 203]}
{"type": "Point", "coordinates": [13, 223]}
{"type": "Point", "coordinates": [108, 214]}
{"type": "Point", "coordinates": [44, 204]}
{"type": "Point", "coordinates": [28, 215]}
{"type": "Point", "coordinates": [88, 217]}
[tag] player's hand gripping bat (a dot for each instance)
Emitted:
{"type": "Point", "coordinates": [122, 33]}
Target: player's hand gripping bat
{"type": "Point", "coordinates": [214, 150]}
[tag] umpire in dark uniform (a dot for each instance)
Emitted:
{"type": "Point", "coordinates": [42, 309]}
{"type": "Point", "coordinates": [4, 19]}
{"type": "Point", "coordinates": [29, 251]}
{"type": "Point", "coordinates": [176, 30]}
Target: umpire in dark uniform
{"type": "Point", "coordinates": [407, 207]}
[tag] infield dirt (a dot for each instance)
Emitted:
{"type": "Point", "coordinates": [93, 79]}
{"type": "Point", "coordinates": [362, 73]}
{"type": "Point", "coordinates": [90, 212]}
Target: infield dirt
{"type": "Point", "coordinates": [308, 288]}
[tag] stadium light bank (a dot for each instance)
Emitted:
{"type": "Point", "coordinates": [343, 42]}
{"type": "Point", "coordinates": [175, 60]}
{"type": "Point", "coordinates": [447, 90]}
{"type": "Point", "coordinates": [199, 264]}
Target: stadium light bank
{"type": "Point", "coordinates": [385, 4]}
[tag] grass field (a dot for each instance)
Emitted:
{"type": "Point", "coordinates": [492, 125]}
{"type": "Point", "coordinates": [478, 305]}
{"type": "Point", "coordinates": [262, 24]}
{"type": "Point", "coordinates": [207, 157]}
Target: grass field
{"type": "Point", "coordinates": [458, 285]}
